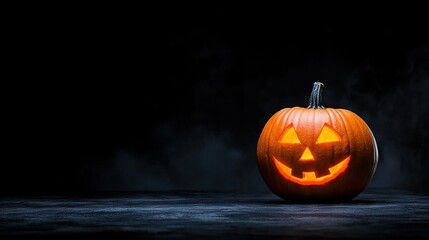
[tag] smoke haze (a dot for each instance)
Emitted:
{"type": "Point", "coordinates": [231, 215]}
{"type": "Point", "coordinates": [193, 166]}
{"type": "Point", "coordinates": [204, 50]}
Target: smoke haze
{"type": "Point", "coordinates": [176, 100]}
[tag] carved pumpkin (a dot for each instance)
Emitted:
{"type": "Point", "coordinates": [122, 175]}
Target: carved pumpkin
{"type": "Point", "coordinates": [316, 153]}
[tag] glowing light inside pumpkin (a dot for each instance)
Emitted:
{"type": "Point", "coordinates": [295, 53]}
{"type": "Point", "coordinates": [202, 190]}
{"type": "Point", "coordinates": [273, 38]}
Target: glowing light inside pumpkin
{"type": "Point", "coordinates": [328, 134]}
{"type": "Point", "coordinates": [309, 178]}
{"type": "Point", "coordinates": [289, 136]}
{"type": "Point", "coordinates": [307, 155]}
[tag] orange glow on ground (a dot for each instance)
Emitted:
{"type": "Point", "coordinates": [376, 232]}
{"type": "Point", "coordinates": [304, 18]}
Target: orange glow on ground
{"type": "Point", "coordinates": [328, 135]}
{"type": "Point", "coordinates": [307, 155]}
{"type": "Point", "coordinates": [309, 178]}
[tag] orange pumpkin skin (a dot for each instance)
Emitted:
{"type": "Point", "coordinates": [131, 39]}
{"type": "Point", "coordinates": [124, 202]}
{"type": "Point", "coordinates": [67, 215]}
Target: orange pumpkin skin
{"type": "Point", "coordinates": [329, 155]}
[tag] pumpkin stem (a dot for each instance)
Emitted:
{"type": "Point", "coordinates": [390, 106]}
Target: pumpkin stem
{"type": "Point", "coordinates": [316, 96]}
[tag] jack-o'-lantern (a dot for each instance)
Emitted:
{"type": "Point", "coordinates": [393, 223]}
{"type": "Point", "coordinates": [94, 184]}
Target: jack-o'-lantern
{"type": "Point", "coordinates": [316, 153]}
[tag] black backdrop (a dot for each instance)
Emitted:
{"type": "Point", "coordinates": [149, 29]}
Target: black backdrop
{"type": "Point", "coordinates": [174, 98]}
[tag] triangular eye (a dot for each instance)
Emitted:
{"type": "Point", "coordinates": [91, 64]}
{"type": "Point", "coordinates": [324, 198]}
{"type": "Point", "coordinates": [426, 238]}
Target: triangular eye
{"type": "Point", "coordinates": [289, 136]}
{"type": "Point", "coordinates": [328, 134]}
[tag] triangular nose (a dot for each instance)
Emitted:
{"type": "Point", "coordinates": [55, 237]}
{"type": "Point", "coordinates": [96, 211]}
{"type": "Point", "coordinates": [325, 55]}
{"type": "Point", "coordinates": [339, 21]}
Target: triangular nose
{"type": "Point", "coordinates": [307, 156]}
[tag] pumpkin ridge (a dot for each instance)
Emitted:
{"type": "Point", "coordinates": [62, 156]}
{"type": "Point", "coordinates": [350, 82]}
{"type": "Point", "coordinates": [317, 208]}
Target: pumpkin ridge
{"type": "Point", "coordinates": [290, 118]}
{"type": "Point", "coordinates": [340, 116]}
{"type": "Point", "coordinates": [361, 132]}
{"type": "Point", "coordinates": [298, 118]}
{"type": "Point", "coordinates": [267, 138]}
{"type": "Point", "coordinates": [364, 131]}
{"type": "Point", "coordinates": [280, 117]}
{"type": "Point", "coordinates": [328, 111]}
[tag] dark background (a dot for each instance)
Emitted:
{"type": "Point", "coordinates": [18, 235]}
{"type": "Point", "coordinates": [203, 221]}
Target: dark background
{"type": "Point", "coordinates": [175, 97]}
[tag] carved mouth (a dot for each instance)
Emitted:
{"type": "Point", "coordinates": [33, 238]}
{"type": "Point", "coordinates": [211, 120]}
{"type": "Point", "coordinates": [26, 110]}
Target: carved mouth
{"type": "Point", "coordinates": [309, 178]}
